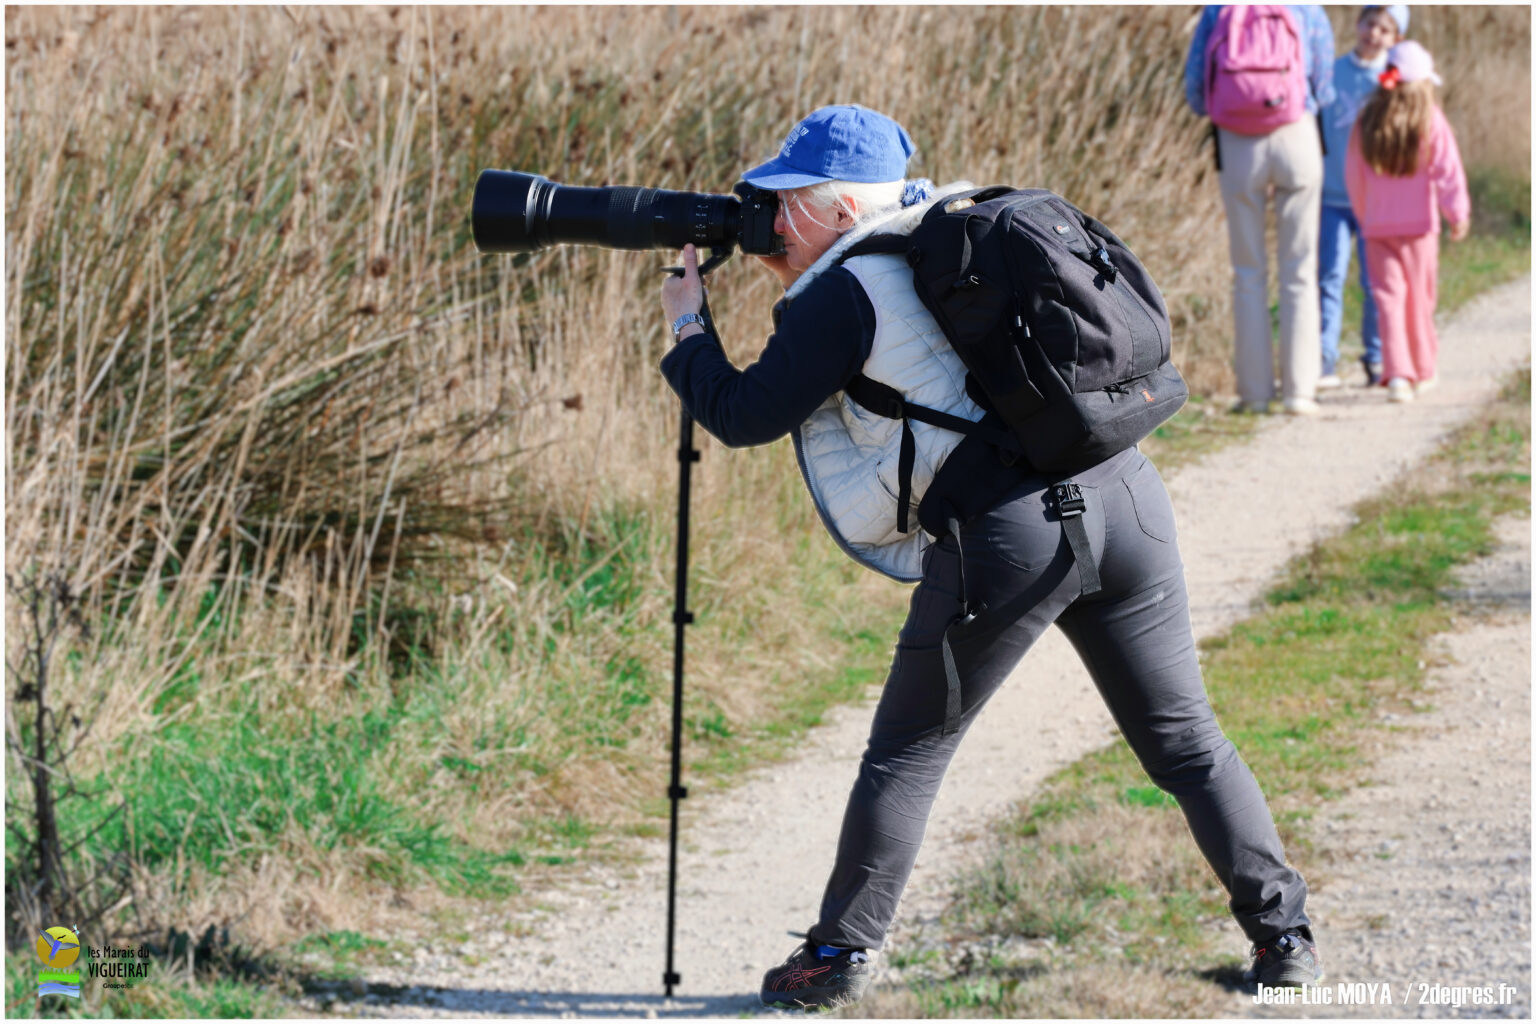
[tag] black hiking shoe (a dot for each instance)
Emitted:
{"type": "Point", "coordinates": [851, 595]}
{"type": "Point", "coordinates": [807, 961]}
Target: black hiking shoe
{"type": "Point", "coordinates": [807, 980]}
{"type": "Point", "coordinates": [1289, 960]}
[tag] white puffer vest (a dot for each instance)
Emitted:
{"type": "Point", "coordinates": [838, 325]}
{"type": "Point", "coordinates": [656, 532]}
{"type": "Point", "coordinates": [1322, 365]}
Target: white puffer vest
{"type": "Point", "coordinates": [849, 455]}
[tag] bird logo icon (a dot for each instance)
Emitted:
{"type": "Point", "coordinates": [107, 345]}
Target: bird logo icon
{"type": "Point", "coordinates": [58, 947]}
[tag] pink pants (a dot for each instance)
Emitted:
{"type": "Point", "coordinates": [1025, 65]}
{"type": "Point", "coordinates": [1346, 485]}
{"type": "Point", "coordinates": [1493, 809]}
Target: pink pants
{"type": "Point", "coordinates": [1403, 274]}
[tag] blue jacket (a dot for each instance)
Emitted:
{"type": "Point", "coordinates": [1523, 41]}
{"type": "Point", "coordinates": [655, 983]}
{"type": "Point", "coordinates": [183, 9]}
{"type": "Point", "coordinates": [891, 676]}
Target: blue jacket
{"type": "Point", "coordinates": [1353, 83]}
{"type": "Point", "coordinates": [1316, 51]}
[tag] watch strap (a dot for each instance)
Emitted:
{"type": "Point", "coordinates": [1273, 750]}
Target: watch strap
{"type": "Point", "coordinates": [684, 321]}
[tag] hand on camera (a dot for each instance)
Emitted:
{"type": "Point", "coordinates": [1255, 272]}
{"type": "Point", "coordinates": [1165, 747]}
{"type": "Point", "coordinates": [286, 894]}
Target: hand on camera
{"type": "Point", "coordinates": [684, 294]}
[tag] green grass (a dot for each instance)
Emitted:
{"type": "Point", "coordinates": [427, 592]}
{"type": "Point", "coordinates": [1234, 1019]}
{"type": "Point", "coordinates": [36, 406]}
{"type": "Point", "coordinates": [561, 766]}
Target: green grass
{"type": "Point", "coordinates": [1100, 861]}
{"type": "Point", "coordinates": [1499, 247]}
{"type": "Point", "coordinates": [858, 658]}
{"type": "Point", "coordinates": [221, 790]}
{"type": "Point", "coordinates": [218, 998]}
{"type": "Point", "coordinates": [334, 955]}
{"type": "Point", "coordinates": [799, 705]}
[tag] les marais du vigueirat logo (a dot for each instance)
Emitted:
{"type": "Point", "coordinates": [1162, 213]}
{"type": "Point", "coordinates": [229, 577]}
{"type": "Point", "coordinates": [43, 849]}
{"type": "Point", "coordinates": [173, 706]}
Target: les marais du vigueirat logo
{"type": "Point", "coordinates": [58, 948]}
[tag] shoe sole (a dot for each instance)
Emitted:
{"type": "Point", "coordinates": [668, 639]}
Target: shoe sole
{"type": "Point", "coordinates": [812, 999]}
{"type": "Point", "coordinates": [1291, 976]}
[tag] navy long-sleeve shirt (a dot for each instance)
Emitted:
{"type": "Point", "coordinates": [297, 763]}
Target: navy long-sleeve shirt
{"type": "Point", "coordinates": [823, 339]}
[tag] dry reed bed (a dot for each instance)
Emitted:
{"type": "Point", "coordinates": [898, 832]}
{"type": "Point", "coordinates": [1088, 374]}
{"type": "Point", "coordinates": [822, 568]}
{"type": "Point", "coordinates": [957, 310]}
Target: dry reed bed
{"type": "Point", "coordinates": [255, 369]}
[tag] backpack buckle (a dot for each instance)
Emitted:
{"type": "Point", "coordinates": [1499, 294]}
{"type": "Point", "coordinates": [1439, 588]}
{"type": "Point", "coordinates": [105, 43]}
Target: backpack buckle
{"type": "Point", "coordinates": [1069, 500]}
{"type": "Point", "coordinates": [1105, 265]}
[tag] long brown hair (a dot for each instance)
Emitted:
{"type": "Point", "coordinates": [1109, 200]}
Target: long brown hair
{"type": "Point", "coordinates": [1394, 125]}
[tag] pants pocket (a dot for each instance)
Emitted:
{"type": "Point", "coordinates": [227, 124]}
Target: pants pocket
{"type": "Point", "coordinates": [1154, 511]}
{"type": "Point", "coordinates": [1017, 535]}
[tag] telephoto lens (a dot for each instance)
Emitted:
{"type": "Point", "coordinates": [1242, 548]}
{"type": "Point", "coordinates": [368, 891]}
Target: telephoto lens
{"type": "Point", "coordinates": [517, 212]}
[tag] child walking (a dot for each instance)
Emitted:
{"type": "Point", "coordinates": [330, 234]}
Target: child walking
{"type": "Point", "coordinates": [1403, 171]}
{"type": "Point", "coordinates": [1355, 77]}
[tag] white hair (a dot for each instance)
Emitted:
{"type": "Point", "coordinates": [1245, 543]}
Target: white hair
{"type": "Point", "coordinates": [862, 200]}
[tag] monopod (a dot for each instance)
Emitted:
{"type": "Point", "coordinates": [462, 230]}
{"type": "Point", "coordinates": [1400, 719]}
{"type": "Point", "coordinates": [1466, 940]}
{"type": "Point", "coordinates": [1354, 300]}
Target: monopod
{"type": "Point", "coordinates": [687, 455]}
{"type": "Point", "coordinates": [514, 212]}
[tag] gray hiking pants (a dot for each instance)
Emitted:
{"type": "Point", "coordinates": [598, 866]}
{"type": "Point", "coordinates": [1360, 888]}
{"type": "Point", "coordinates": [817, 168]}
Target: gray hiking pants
{"type": "Point", "coordinates": [1135, 638]}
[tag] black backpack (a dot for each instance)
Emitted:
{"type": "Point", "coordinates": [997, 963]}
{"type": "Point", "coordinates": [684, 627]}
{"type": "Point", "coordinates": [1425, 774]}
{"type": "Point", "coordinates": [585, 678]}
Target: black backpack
{"type": "Point", "coordinates": [1065, 336]}
{"type": "Point", "coordinates": [1067, 342]}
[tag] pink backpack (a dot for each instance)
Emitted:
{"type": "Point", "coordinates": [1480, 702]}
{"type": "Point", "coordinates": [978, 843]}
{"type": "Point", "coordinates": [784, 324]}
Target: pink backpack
{"type": "Point", "coordinates": [1255, 78]}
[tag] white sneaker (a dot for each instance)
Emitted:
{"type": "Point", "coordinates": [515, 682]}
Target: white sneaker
{"type": "Point", "coordinates": [1300, 407]}
{"type": "Point", "coordinates": [1427, 384]}
{"type": "Point", "coordinates": [1399, 389]}
{"type": "Point", "coordinates": [1329, 382]}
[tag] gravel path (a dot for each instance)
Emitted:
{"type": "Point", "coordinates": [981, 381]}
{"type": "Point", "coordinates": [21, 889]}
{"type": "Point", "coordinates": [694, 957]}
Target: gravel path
{"type": "Point", "coordinates": [755, 856]}
{"type": "Point", "coordinates": [1424, 893]}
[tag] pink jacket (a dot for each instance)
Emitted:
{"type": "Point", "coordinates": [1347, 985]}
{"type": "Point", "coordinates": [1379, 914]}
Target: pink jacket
{"type": "Point", "coordinates": [1391, 207]}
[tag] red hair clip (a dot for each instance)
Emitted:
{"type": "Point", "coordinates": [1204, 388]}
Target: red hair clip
{"type": "Point", "coordinates": [1389, 78]}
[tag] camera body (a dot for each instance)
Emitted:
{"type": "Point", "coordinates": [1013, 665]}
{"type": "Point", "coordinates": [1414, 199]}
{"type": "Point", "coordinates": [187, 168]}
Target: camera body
{"type": "Point", "coordinates": [518, 212]}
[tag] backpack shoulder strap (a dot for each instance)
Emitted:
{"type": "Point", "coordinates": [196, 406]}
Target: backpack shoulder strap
{"type": "Point", "coordinates": [900, 242]}
{"type": "Point", "coordinates": [883, 242]}
{"type": "Point", "coordinates": [884, 400]}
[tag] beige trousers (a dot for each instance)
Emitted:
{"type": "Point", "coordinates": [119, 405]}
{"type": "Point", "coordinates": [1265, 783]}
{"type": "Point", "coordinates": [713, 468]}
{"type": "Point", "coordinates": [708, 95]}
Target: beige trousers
{"type": "Point", "coordinates": [1289, 163]}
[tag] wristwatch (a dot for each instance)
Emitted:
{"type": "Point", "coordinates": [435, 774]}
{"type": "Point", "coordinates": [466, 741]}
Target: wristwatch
{"type": "Point", "coordinates": [684, 321]}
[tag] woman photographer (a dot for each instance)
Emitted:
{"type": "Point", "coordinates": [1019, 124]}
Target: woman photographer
{"type": "Point", "coordinates": [840, 177]}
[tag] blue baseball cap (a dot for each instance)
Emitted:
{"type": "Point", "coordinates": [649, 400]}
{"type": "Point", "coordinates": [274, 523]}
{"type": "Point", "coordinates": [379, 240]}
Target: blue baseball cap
{"type": "Point", "coordinates": [839, 143]}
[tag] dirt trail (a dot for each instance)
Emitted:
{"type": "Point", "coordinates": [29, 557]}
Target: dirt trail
{"type": "Point", "coordinates": [1424, 875]}
{"type": "Point", "coordinates": [756, 856]}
